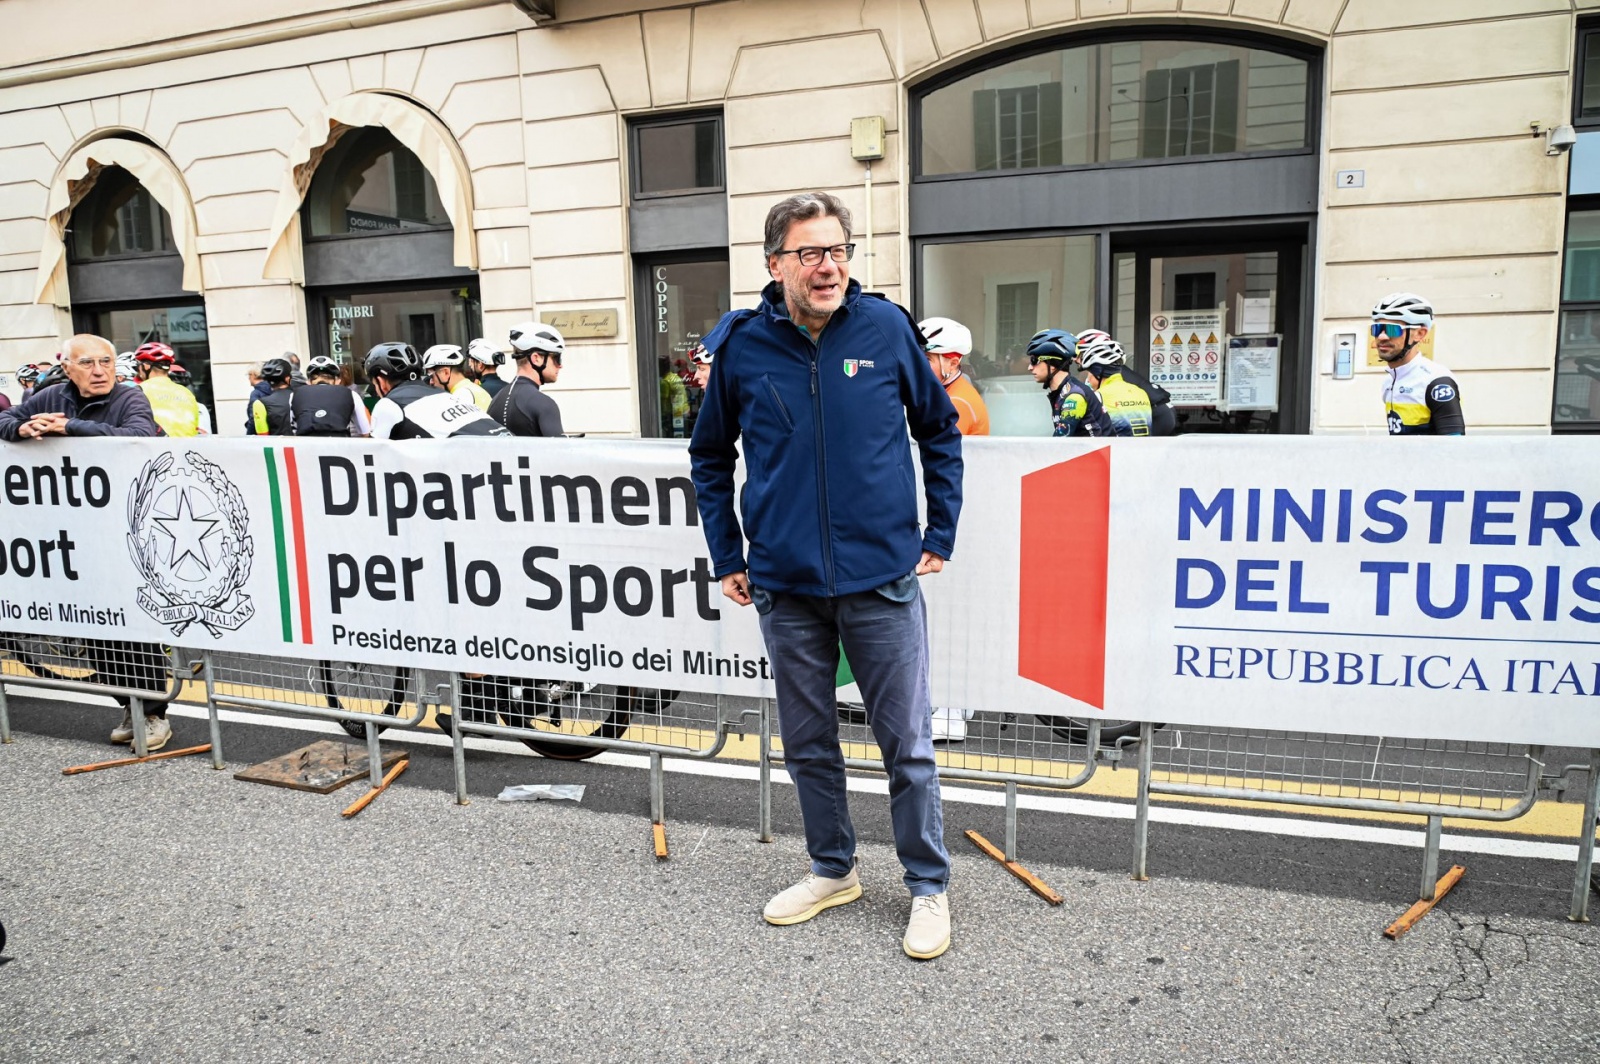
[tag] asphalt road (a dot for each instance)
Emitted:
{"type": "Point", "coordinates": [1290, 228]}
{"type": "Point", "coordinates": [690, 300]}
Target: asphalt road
{"type": "Point", "coordinates": [169, 913]}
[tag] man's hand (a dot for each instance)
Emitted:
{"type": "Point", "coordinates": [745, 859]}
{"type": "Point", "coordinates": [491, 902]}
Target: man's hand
{"type": "Point", "coordinates": [930, 563]}
{"type": "Point", "coordinates": [737, 587]}
{"type": "Point", "coordinates": [43, 425]}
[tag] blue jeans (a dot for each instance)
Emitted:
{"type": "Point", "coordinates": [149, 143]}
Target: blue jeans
{"type": "Point", "coordinates": [887, 644]}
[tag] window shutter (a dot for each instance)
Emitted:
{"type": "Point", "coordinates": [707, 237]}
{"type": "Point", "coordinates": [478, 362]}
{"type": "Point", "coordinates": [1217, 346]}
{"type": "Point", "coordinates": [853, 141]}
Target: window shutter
{"type": "Point", "coordinates": [985, 148]}
{"type": "Point", "coordinates": [1225, 108]}
{"type": "Point", "coordinates": [1050, 124]}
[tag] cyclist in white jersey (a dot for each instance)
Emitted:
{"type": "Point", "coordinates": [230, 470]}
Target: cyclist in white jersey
{"type": "Point", "coordinates": [409, 408]}
{"type": "Point", "coordinates": [1420, 398]}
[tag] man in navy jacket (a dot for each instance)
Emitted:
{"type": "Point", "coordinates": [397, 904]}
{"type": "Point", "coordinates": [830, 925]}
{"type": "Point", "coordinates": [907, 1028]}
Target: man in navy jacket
{"type": "Point", "coordinates": [87, 403]}
{"type": "Point", "coordinates": [820, 383]}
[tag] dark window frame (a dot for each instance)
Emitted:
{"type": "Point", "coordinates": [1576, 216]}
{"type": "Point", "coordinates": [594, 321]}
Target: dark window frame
{"type": "Point", "coordinates": [1311, 55]}
{"type": "Point", "coordinates": [1586, 28]}
{"type": "Point", "coordinates": [649, 398]}
{"type": "Point", "coordinates": [317, 307]}
{"type": "Point", "coordinates": [69, 238]}
{"type": "Point", "coordinates": [657, 120]}
{"type": "Point", "coordinates": [1575, 205]}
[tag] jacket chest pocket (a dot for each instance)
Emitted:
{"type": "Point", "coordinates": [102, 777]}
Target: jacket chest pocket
{"type": "Point", "coordinates": [776, 409]}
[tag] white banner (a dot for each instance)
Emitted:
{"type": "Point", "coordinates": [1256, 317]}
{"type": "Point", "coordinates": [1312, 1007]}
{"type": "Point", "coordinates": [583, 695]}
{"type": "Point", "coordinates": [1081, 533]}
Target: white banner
{"type": "Point", "coordinates": [1441, 589]}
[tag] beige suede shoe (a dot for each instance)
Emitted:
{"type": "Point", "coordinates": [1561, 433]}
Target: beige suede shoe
{"type": "Point", "coordinates": [810, 896]}
{"type": "Point", "coordinates": [928, 933]}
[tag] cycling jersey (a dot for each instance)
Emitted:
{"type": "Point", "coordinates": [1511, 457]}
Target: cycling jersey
{"type": "Point", "coordinates": [323, 410]}
{"type": "Point", "coordinates": [972, 415]}
{"type": "Point", "coordinates": [525, 410]}
{"type": "Point", "coordinates": [1163, 419]}
{"type": "Point", "coordinates": [1422, 399]}
{"type": "Point", "coordinates": [272, 414]}
{"type": "Point", "coordinates": [1076, 410]}
{"type": "Point", "coordinates": [1127, 404]}
{"type": "Point", "coordinates": [174, 406]}
{"type": "Point", "coordinates": [418, 411]}
{"type": "Point", "coordinates": [465, 388]}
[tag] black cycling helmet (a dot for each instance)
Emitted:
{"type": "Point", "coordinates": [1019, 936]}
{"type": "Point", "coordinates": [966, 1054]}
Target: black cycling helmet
{"type": "Point", "coordinates": [54, 375]}
{"type": "Point", "coordinates": [275, 371]}
{"type": "Point", "coordinates": [394, 361]}
{"type": "Point", "coordinates": [1052, 345]}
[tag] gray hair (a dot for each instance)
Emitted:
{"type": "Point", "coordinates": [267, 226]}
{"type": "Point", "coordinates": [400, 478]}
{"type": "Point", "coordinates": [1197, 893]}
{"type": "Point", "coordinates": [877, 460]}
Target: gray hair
{"type": "Point", "coordinates": [86, 344]}
{"type": "Point", "coordinates": [800, 208]}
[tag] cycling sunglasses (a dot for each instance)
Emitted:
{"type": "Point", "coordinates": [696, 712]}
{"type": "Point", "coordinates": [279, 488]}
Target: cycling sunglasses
{"type": "Point", "coordinates": [1393, 332]}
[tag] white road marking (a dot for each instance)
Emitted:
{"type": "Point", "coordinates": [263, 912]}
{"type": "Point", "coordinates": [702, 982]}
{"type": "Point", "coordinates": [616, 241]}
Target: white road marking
{"type": "Point", "coordinates": [1111, 810]}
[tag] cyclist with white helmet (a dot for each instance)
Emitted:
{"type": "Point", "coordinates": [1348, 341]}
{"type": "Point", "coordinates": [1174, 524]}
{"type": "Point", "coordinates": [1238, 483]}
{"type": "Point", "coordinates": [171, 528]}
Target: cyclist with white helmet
{"type": "Point", "coordinates": [482, 358]}
{"type": "Point", "coordinates": [1163, 420]}
{"type": "Point", "coordinates": [947, 342]}
{"type": "Point", "coordinates": [1074, 409]}
{"type": "Point", "coordinates": [127, 370]}
{"type": "Point", "coordinates": [1127, 405]}
{"type": "Point", "coordinates": [324, 406]}
{"type": "Point", "coordinates": [447, 368]}
{"type": "Point", "coordinates": [28, 376]}
{"type": "Point", "coordinates": [409, 408]}
{"type": "Point", "coordinates": [522, 407]}
{"type": "Point", "coordinates": [1421, 398]}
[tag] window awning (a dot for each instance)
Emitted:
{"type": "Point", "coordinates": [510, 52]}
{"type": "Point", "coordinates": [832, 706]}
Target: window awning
{"type": "Point", "coordinates": [76, 178]}
{"type": "Point", "coordinates": [412, 126]}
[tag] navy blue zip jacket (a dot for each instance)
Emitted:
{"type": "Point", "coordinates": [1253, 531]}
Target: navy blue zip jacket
{"type": "Point", "coordinates": [829, 504]}
{"type": "Point", "coordinates": [121, 412]}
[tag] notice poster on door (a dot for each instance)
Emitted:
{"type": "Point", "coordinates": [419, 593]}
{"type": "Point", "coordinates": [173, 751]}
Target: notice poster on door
{"type": "Point", "coordinates": [1186, 355]}
{"type": "Point", "coordinates": [1252, 369]}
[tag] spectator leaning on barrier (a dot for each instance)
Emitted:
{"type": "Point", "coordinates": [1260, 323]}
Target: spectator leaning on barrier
{"type": "Point", "coordinates": [89, 403]}
{"type": "Point", "coordinates": [273, 413]}
{"type": "Point", "coordinates": [1420, 398]}
{"type": "Point", "coordinates": [522, 407]}
{"type": "Point", "coordinates": [817, 386]}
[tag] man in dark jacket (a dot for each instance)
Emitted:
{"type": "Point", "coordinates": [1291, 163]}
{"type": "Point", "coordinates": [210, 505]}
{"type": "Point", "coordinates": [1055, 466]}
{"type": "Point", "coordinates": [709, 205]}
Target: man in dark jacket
{"type": "Point", "coordinates": [89, 403]}
{"type": "Point", "coordinates": [820, 383]}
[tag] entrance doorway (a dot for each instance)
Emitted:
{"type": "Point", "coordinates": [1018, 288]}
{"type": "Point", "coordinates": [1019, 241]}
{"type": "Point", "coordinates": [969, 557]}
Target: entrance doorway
{"type": "Point", "coordinates": [1216, 318]}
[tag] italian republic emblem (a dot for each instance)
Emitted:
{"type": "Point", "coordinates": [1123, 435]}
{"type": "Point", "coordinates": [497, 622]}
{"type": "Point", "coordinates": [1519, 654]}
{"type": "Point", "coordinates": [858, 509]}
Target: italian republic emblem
{"type": "Point", "coordinates": [189, 537]}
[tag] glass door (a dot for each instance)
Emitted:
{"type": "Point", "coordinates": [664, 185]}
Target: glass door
{"type": "Point", "coordinates": [181, 326]}
{"type": "Point", "coordinates": [682, 302]}
{"type": "Point", "coordinates": [353, 322]}
{"type": "Point", "coordinates": [1217, 326]}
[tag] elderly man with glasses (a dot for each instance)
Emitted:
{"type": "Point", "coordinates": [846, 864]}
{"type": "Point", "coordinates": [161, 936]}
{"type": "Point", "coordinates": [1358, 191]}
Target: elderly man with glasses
{"type": "Point", "coordinates": [87, 403]}
{"type": "Point", "coordinates": [818, 386]}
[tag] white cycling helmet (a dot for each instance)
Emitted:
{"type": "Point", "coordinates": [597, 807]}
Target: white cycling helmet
{"type": "Point", "coordinates": [481, 350]}
{"type": "Point", "coordinates": [1407, 308]}
{"type": "Point", "coordinates": [700, 356]}
{"type": "Point", "coordinates": [322, 364]}
{"type": "Point", "coordinates": [1092, 336]}
{"type": "Point", "coordinates": [945, 336]}
{"type": "Point", "coordinates": [1099, 352]}
{"type": "Point", "coordinates": [442, 355]}
{"type": "Point", "coordinates": [533, 336]}
{"type": "Point", "coordinates": [127, 367]}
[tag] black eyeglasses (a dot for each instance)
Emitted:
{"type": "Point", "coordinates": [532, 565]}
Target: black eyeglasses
{"type": "Point", "coordinates": [813, 256]}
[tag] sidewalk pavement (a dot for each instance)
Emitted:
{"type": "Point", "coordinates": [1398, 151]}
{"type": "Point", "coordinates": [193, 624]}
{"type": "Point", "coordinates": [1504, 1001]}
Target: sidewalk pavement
{"type": "Point", "coordinates": [169, 913]}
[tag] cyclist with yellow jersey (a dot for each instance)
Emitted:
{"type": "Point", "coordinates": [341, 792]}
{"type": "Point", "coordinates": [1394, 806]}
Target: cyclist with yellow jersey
{"type": "Point", "coordinates": [1420, 398]}
{"type": "Point", "coordinates": [1125, 403]}
{"type": "Point", "coordinates": [174, 407]}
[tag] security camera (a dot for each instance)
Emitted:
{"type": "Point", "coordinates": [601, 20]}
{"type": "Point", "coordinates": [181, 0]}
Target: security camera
{"type": "Point", "coordinates": [1559, 140]}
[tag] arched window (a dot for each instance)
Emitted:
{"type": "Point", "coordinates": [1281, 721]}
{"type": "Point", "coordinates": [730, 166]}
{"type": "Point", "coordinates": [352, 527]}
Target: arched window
{"type": "Point", "coordinates": [117, 218]}
{"type": "Point", "coordinates": [1116, 101]}
{"type": "Point", "coordinates": [370, 183]}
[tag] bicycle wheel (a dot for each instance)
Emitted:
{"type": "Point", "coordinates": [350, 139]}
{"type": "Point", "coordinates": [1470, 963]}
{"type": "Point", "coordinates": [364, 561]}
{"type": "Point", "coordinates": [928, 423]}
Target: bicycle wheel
{"type": "Point", "coordinates": [55, 657]}
{"type": "Point", "coordinates": [357, 687]}
{"type": "Point", "coordinates": [1076, 729]}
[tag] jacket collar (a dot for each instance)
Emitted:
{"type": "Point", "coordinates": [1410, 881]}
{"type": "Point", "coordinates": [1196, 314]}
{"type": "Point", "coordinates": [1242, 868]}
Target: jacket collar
{"type": "Point", "coordinates": [774, 307]}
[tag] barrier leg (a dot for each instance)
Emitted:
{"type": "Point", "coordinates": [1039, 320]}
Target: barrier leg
{"type": "Point", "coordinates": [1141, 809]}
{"type": "Point", "coordinates": [1430, 860]}
{"type": "Point", "coordinates": [374, 757]}
{"type": "Point", "coordinates": [5, 716]}
{"type": "Point", "coordinates": [1591, 810]}
{"type": "Point", "coordinates": [1011, 820]}
{"type": "Point", "coordinates": [764, 829]}
{"type": "Point", "coordinates": [141, 745]}
{"type": "Point", "coordinates": [658, 803]}
{"type": "Point", "coordinates": [215, 719]}
{"type": "Point", "coordinates": [458, 741]}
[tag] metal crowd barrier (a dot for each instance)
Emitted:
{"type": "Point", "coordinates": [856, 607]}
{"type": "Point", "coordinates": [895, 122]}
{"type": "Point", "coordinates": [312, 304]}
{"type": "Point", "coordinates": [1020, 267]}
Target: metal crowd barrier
{"type": "Point", "coordinates": [1432, 779]}
{"type": "Point", "coordinates": [138, 672]}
